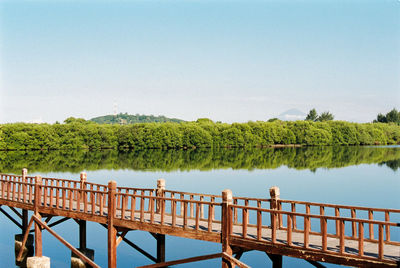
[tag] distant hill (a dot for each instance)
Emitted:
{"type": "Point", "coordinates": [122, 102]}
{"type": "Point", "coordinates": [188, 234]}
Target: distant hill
{"type": "Point", "coordinates": [292, 115]}
{"type": "Point", "coordinates": [126, 118]}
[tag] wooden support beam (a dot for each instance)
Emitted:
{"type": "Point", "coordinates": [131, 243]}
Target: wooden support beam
{"type": "Point", "coordinates": [55, 223]}
{"type": "Point", "coordinates": [21, 251]}
{"type": "Point", "coordinates": [63, 241]}
{"type": "Point", "coordinates": [160, 248]}
{"type": "Point", "coordinates": [276, 260]}
{"type": "Point", "coordinates": [16, 212]}
{"type": "Point", "coordinates": [187, 260]}
{"type": "Point", "coordinates": [234, 261]}
{"type": "Point", "coordinates": [11, 218]}
{"type": "Point", "coordinates": [121, 236]}
{"type": "Point", "coordinates": [136, 247]}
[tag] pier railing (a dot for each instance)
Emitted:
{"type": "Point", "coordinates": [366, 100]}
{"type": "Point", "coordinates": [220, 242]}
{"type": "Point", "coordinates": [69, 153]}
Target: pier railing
{"type": "Point", "coordinates": [339, 230]}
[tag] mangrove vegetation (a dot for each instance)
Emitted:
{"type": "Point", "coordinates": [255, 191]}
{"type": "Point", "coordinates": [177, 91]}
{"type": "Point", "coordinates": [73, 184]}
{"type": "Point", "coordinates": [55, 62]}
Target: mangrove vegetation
{"type": "Point", "coordinates": [204, 133]}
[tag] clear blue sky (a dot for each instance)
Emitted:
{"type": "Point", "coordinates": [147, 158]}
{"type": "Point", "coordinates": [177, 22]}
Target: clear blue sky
{"type": "Point", "coordinates": [225, 60]}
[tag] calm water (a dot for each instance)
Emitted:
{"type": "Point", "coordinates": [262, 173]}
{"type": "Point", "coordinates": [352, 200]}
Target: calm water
{"type": "Point", "coordinates": [364, 176]}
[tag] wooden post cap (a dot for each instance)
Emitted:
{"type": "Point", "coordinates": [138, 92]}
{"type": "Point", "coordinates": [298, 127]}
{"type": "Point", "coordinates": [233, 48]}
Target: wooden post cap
{"type": "Point", "coordinates": [38, 179]}
{"type": "Point", "coordinates": [227, 195]}
{"type": "Point", "coordinates": [112, 185]}
{"type": "Point", "coordinates": [274, 192]}
{"type": "Point", "coordinates": [24, 172]}
{"type": "Point", "coordinates": [83, 176]}
{"type": "Point", "coordinates": [161, 183]}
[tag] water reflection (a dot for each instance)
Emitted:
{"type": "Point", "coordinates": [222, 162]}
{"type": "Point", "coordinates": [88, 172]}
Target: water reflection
{"type": "Point", "coordinates": [310, 158]}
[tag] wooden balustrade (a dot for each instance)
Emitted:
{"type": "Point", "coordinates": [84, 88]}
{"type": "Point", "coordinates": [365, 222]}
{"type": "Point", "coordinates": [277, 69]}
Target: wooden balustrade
{"type": "Point", "coordinates": [297, 224]}
{"type": "Point", "coordinates": [259, 232]}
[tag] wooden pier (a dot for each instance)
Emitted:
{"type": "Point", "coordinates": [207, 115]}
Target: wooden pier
{"type": "Point", "coordinates": [315, 232]}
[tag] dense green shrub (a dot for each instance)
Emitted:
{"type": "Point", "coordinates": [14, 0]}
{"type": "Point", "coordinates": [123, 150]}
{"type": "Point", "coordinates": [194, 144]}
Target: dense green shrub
{"type": "Point", "coordinates": [200, 134]}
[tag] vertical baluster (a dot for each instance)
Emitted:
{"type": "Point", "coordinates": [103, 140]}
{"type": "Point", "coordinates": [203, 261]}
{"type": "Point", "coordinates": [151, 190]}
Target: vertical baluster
{"type": "Point", "coordinates": [133, 206]}
{"type": "Point", "coordinates": [142, 207]}
{"type": "Point", "coordinates": [308, 213]}
{"type": "Point", "coordinates": [235, 213]}
{"type": "Point", "coordinates": [197, 215]}
{"type": "Point", "coordinates": [191, 206]}
{"type": "Point", "coordinates": [341, 239]}
{"type": "Point", "coordinates": [324, 233]}
{"type": "Point", "coordinates": [151, 208]}
{"type": "Point", "coordinates": [182, 197]}
{"type": "Point", "coordinates": [210, 217]}
{"type": "Point", "coordinates": [184, 214]}
{"type": "Point", "coordinates": [101, 203]}
{"type": "Point", "coordinates": [293, 209]}
{"type": "Point", "coordinates": [78, 200]}
{"type": "Point", "coordinates": [353, 223]}
{"type": "Point", "coordinates": [380, 246]}
{"type": "Point", "coordinates": [162, 203]}
{"type": "Point", "coordinates": [370, 225]}
{"type": "Point", "coordinates": [57, 194]}
{"type": "Point", "coordinates": [306, 230]}
{"type": "Point", "coordinates": [119, 199]}
{"type": "Point", "coordinates": [93, 201]}
{"type": "Point", "coordinates": [44, 190]}
{"type": "Point", "coordinates": [289, 229]}
{"type": "Point", "coordinates": [322, 213]}
{"type": "Point", "coordinates": [173, 212]}
{"type": "Point", "coordinates": [63, 198]}
{"type": "Point", "coordinates": [14, 190]}
{"type": "Point", "coordinates": [244, 222]}
{"type": "Point", "coordinates": [280, 214]}
{"type": "Point", "coordinates": [337, 214]}
{"type": "Point", "coordinates": [274, 223]}
{"type": "Point", "coordinates": [213, 211]}
{"type": "Point", "coordinates": [202, 207]}
{"type": "Point", "coordinates": [387, 219]}
{"type": "Point", "coordinates": [360, 239]}
{"type": "Point", "coordinates": [51, 193]}
{"type": "Point", "coordinates": [259, 221]}
{"type": "Point", "coordinates": [123, 206]}
{"type": "Point", "coordinates": [71, 197]}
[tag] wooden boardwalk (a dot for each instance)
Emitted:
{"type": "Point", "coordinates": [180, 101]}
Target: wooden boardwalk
{"type": "Point", "coordinates": [354, 236]}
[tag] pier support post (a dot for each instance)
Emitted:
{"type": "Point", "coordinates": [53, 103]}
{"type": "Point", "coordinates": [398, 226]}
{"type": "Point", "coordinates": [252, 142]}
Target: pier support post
{"type": "Point", "coordinates": [276, 260]}
{"type": "Point", "coordinates": [28, 249]}
{"type": "Point", "coordinates": [226, 226]}
{"type": "Point", "coordinates": [38, 230]}
{"type": "Point", "coordinates": [112, 231]}
{"type": "Point", "coordinates": [274, 204]}
{"type": "Point", "coordinates": [160, 247]}
{"type": "Point", "coordinates": [160, 193]}
{"type": "Point", "coordinates": [76, 262]}
{"type": "Point", "coordinates": [39, 261]}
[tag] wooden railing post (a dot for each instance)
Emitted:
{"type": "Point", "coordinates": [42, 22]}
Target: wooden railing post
{"type": "Point", "coordinates": [112, 231]}
{"type": "Point", "coordinates": [274, 204]}
{"type": "Point", "coordinates": [160, 193]}
{"type": "Point", "coordinates": [24, 198]}
{"type": "Point", "coordinates": [38, 230]}
{"type": "Point", "coordinates": [226, 220]}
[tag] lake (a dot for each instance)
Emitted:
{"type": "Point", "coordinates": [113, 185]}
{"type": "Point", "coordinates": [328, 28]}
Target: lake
{"type": "Point", "coordinates": [359, 176]}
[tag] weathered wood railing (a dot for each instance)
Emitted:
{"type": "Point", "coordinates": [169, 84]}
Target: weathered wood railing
{"type": "Point", "coordinates": [316, 227]}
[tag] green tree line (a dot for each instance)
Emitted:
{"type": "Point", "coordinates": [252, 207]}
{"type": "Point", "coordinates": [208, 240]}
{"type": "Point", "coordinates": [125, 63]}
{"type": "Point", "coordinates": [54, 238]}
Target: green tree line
{"type": "Point", "coordinates": [310, 158]}
{"type": "Point", "coordinates": [204, 133]}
